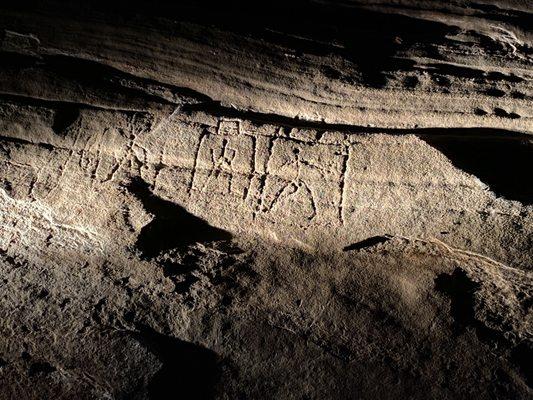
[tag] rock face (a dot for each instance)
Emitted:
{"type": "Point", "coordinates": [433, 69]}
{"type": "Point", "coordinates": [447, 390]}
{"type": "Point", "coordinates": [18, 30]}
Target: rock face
{"type": "Point", "coordinates": [297, 200]}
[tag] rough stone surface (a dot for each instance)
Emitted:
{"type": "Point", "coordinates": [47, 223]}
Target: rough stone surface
{"type": "Point", "coordinates": [297, 200]}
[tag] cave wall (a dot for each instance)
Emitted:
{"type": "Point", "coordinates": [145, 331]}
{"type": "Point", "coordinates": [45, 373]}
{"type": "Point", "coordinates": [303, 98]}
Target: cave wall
{"type": "Point", "coordinates": [310, 199]}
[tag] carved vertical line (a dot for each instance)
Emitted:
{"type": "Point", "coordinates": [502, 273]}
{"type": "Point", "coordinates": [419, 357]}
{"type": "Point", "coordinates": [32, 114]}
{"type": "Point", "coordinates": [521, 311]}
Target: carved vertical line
{"type": "Point", "coordinates": [262, 179]}
{"type": "Point", "coordinates": [254, 167]}
{"type": "Point", "coordinates": [195, 163]}
{"type": "Point", "coordinates": [346, 159]}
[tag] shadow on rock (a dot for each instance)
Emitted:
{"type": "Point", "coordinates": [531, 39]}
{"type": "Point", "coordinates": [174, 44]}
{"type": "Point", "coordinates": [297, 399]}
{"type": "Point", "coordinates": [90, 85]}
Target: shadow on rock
{"type": "Point", "coordinates": [189, 370]}
{"type": "Point", "coordinates": [501, 161]}
{"type": "Point", "coordinates": [460, 289]}
{"type": "Point", "coordinates": [369, 242]}
{"type": "Point", "coordinates": [172, 226]}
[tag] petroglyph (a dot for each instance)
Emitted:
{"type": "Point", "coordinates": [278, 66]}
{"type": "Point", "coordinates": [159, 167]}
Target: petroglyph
{"type": "Point", "coordinates": [263, 176]}
{"type": "Point", "coordinates": [224, 161]}
{"type": "Point", "coordinates": [300, 185]}
{"type": "Point", "coordinates": [273, 176]}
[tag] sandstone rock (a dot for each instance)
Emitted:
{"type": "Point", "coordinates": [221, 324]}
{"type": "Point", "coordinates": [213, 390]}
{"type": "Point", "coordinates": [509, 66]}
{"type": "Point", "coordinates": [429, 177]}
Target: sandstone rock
{"type": "Point", "coordinates": [310, 200]}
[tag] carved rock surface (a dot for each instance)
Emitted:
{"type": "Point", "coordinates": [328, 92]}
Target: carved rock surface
{"type": "Point", "coordinates": [292, 200]}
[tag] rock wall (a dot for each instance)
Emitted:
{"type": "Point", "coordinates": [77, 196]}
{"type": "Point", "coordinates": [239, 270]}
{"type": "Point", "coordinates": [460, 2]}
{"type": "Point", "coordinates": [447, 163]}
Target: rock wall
{"type": "Point", "coordinates": [311, 200]}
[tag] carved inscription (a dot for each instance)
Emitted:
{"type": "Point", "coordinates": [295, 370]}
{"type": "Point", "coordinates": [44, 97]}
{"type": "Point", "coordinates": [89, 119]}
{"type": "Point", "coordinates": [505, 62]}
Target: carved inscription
{"type": "Point", "coordinates": [303, 181]}
{"type": "Point", "coordinates": [278, 177]}
{"type": "Point", "coordinates": [224, 163]}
